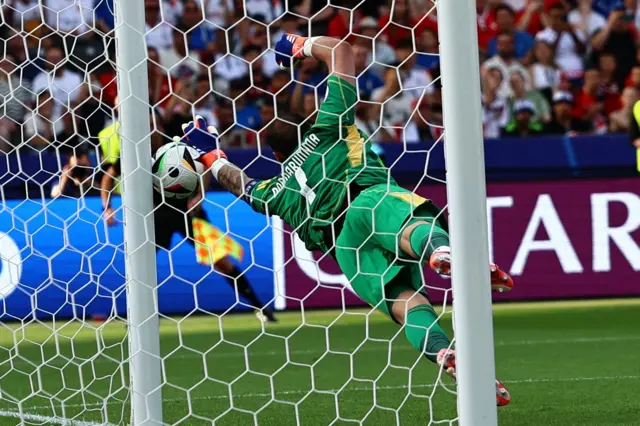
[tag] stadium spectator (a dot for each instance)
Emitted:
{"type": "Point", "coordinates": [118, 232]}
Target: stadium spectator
{"type": "Point", "coordinates": [232, 135]}
{"type": "Point", "coordinates": [219, 12]}
{"type": "Point", "coordinates": [495, 112]}
{"type": "Point", "coordinates": [380, 50]}
{"type": "Point", "coordinates": [563, 122]}
{"type": "Point", "coordinates": [620, 120]}
{"type": "Point", "coordinates": [158, 33]}
{"type": "Point", "coordinates": [178, 109]}
{"type": "Point", "coordinates": [617, 37]}
{"type": "Point", "coordinates": [519, 93]}
{"type": "Point", "coordinates": [568, 44]}
{"type": "Point", "coordinates": [523, 41]}
{"type": "Point", "coordinates": [505, 63]}
{"type": "Point", "coordinates": [531, 17]}
{"type": "Point", "coordinates": [253, 55]}
{"type": "Point", "coordinates": [65, 86]}
{"type": "Point", "coordinates": [395, 105]}
{"type": "Point", "coordinates": [265, 11]}
{"type": "Point", "coordinates": [204, 101]}
{"type": "Point", "coordinates": [279, 86]}
{"type": "Point", "coordinates": [611, 85]}
{"type": "Point", "coordinates": [313, 74]}
{"type": "Point", "coordinates": [246, 113]}
{"type": "Point", "coordinates": [428, 53]}
{"type": "Point", "coordinates": [201, 33]}
{"type": "Point", "coordinates": [172, 10]}
{"type": "Point", "coordinates": [523, 123]}
{"type": "Point", "coordinates": [15, 99]}
{"type": "Point", "coordinates": [67, 17]}
{"type": "Point", "coordinates": [590, 102]}
{"type": "Point", "coordinates": [545, 74]}
{"type": "Point", "coordinates": [21, 14]}
{"type": "Point", "coordinates": [42, 124]}
{"type": "Point", "coordinates": [396, 28]}
{"type": "Point", "coordinates": [181, 62]}
{"type": "Point", "coordinates": [415, 80]}
{"type": "Point", "coordinates": [368, 80]}
{"type": "Point", "coordinates": [161, 83]}
{"type": "Point", "coordinates": [76, 173]}
{"type": "Point", "coordinates": [486, 18]}
{"type": "Point", "coordinates": [584, 19]}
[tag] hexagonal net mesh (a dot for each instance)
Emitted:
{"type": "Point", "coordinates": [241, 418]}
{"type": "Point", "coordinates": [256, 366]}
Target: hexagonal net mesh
{"type": "Point", "coordinates": [330, 358]}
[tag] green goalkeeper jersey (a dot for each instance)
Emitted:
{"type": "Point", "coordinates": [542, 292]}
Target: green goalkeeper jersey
{"type": "Point", "coordinates": [334, 154]}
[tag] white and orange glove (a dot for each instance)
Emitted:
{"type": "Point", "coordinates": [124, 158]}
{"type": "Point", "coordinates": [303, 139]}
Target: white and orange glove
{"type": "Point", "coordinates": [204, 139]}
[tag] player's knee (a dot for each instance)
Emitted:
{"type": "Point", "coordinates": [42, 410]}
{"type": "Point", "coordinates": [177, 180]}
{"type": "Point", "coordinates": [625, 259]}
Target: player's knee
{"type": "Point", "coordinates": [405, 302]}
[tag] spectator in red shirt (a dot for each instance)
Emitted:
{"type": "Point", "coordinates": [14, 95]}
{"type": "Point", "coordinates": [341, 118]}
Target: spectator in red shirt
{"type": "Point", "coordinates": [530, 19]}
{"type": "Point", "coordinates": [590, 102]}
{"type": "Point", "coordinates": [392, 23]}
{"type": "Point", "coordinates": [486, 18]}
{"type": "Point", "coordinates": [620, 119]}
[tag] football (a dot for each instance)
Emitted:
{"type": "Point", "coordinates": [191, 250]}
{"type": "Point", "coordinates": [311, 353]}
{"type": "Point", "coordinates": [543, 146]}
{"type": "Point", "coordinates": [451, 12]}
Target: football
{"type": "Point", "coordinates": [176, 172]}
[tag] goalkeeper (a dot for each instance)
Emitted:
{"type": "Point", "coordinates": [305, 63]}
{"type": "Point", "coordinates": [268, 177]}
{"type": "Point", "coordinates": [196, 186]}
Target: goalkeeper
{"type": "Point", "coordinates": [339, 197]}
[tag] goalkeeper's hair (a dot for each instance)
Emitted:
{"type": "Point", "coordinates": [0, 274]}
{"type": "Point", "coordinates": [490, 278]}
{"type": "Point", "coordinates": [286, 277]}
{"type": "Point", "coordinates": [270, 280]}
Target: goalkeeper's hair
{"type": "Point", "coordinates": [282, 133]}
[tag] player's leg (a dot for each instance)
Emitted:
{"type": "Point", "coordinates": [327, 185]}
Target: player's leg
{"type": "Point", "coordinates": [422, 329]}
{"type": "Point", "coordinates": [238, 280]}
{"type": "Point", "coordinates": [233, 275]}
{"type": "Point", "coordinates": [427, 240]}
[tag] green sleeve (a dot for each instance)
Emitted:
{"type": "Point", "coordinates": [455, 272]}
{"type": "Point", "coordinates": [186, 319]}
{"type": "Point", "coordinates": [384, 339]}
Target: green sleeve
{"type": "Point", "coordinates": [338, 107]}
{"type": "Point", "coordinates": [261, 195]}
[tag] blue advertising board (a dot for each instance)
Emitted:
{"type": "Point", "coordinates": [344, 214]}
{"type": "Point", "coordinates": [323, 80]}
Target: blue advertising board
{"type": "Point", "coordinates": [58, 258]}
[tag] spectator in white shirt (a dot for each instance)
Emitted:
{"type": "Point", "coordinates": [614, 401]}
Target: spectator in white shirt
{"type": "Point", "coordinates": [545, 74]}
{"type": "Point", "coordinates": [495, 113]}
{"type": "Point", "coordinates": [64, 85]}
{"type": "Point", "coordinates": [19, 12]}
{"type": "Point", "coordinates": [157, 32]}
{"type": "Point", "coordinates": [178, 60]}
{"type": "Point", "coordinates": [219, 12]}
{"type": "Point", "coordinates": [381, 51]}
{"type": "Point", "coordinates": [172, 11]}
{"type": "Point", "coordinates": [43, 123]}
{"type": "Point", "coordinates": [586, 20]}
{"type": "Point", "coordinates": [69, 16]}
{"type": "Point", "coordinates": [505, 63]}
{"type": "Point", "coordinates": [415, 80]}
{"type": "Point", "coordinates": [568, 43]}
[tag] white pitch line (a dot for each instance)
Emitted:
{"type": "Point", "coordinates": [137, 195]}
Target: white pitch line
{"type": "Point", "coordinates": [356, 389]}
{"type": "Point", "coordinates": [48, 419]}
{"type": "Point", "coordinates": [379, 348]}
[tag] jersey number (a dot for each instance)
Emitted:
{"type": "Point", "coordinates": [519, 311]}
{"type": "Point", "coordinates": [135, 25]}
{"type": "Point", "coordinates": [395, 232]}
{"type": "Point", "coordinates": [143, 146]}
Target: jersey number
{"type": "Point", "coordinates": [306, 192]}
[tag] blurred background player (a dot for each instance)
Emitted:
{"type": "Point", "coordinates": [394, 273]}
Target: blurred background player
{"type": "Point", "coordinates": [339, 197]}
{"type": "Point", "coordinates": [173, 215]}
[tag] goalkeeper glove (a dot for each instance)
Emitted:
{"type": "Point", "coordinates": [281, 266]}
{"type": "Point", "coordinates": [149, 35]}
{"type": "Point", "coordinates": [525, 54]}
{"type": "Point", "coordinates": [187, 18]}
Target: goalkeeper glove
{"type": "Point", "coordinates": [290, 49]}
{"type": "Point", "coordinates": [203, 139]}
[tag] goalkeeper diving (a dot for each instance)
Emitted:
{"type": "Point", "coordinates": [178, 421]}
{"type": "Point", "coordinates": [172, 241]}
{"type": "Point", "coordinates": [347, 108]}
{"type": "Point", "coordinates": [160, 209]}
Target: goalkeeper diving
{"type": "Point", "coordinates": [338, 196]}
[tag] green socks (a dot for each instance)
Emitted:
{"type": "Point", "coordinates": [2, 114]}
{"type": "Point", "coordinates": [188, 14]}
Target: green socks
{"type": "Point", "coordinates": [424, 333]}
{"type": "Point", "coordinates": [426, 238]}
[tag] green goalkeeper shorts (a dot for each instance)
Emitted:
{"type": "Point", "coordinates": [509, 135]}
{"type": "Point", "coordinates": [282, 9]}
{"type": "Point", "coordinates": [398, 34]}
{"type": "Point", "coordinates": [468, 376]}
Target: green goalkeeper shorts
{"type": "Point", "coordinates": [367, 248]}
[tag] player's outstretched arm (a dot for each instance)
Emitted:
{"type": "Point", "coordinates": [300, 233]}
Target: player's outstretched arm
{"type": "Point", "coordinates": [336, 54]}
{"type": "Point", "coordinates": [204, 139]}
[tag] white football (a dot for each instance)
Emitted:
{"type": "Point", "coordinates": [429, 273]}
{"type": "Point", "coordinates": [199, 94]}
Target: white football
{"type": "Point", "coordinates": [176, 172]}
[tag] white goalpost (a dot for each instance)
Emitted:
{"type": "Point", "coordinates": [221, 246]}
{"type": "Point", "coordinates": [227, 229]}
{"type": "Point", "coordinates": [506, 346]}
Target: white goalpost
{"type": "Point", "coordinates": [137, 203]}
{"type": "Point", "coordinates": [127, 367]}
{"type": "Point", "coordinates": [466, 198]}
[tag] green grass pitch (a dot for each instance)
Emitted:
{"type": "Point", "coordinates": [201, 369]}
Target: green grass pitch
{"type": "Point", "coordinates": [565, 363]}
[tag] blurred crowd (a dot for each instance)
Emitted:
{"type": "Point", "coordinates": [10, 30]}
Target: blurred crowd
{"type": "Point", "coordinates": [550, 67]}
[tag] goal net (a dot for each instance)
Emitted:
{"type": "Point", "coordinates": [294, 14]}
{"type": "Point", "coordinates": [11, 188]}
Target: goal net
{"type": "Point", "coordinates": [64, 351]}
